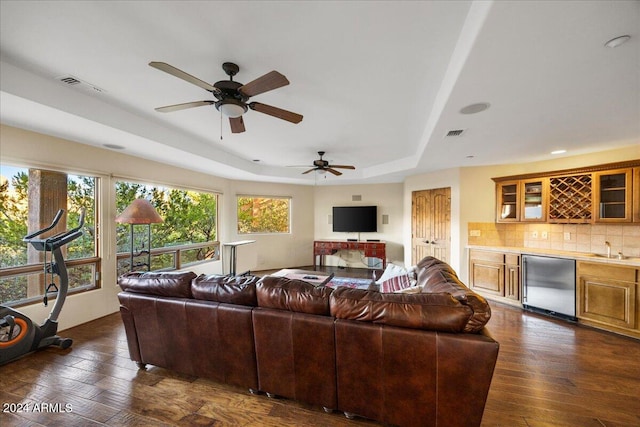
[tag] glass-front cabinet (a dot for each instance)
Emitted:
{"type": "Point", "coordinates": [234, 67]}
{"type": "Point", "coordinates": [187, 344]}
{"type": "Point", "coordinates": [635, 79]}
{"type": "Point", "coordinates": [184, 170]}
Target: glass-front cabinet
{"type": "Point", "coordinates": [613, 195]}
{"type": "Point", "coordinates": [534, 200]}
{"type": "Point", "coordinates": [508, 209]}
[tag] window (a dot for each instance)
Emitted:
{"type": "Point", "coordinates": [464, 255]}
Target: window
{"type": "Point", "coordinates": [35, 195]}
{"type": "Point", "coordinates": [264, 214]}
{"type": "Point", "coordinates": [187, 235]}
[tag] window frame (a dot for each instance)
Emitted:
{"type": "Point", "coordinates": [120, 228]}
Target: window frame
{"type": "Point", "coordinates": [175, 251]}
{"type": "Point", "coordinates": [266, 233]}
{"type": "Point", "coordinates": [94, 261]}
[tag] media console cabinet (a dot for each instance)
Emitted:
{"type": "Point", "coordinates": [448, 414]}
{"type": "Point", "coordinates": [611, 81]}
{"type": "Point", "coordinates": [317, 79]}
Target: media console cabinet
{"type": "Point", "coordinates": [330, 247]}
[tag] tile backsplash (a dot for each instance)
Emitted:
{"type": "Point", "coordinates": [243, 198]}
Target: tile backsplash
{"type": "Point", "coordinates": [589, 238]}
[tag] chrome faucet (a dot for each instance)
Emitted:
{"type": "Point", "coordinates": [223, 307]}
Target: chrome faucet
{"type": "Point", "coordinates": [608, 245]}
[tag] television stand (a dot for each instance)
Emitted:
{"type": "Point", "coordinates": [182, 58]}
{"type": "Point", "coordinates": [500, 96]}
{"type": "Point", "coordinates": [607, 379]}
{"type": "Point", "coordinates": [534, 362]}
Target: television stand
{"type": "Point", "coordinates": [330, 247]}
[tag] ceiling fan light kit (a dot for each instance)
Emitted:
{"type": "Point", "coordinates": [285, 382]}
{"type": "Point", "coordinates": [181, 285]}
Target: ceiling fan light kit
{"type": "Point", "coordinates": [231, 108]}
{"type": "Point", "coordinates": [232, 97]}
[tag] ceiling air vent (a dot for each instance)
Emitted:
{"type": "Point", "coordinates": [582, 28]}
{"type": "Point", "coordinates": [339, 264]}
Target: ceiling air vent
{"type": "Point", "coordinates": [455, 132]}
{"type": "Point", "coordinates": [69, 80]}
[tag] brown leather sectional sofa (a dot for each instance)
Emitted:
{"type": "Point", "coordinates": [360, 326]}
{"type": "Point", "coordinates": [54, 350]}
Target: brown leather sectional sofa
{"type": "Point", "coordinates": [421, 359]}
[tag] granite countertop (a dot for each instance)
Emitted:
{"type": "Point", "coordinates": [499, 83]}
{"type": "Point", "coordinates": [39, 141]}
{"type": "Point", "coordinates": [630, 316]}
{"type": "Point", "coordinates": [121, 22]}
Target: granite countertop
{"type": "Point", "coordinates": [580, 256]}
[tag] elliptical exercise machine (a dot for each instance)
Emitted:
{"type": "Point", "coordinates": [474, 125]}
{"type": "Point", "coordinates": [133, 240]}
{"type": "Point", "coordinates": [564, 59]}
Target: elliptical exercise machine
{"type": "Point", "coordinates": [18, 334]}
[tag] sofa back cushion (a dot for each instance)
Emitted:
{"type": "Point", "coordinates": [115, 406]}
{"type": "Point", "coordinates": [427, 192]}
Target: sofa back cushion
{"type": "Point", "coordinates": [240, 290]}
{"type": "Point", "coordinates": [430, 311]}
{"type": "Point", "coordinates": [293, 295]}
{"type": "Point", "coordinates": [437, 276]}
{"type": "Point", "coordinates": [165, 284]}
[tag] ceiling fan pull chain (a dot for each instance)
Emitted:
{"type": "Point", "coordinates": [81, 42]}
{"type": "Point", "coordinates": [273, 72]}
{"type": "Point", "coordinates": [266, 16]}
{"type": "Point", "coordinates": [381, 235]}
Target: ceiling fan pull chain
{"type": "Point", "coordinates": [220, 126]}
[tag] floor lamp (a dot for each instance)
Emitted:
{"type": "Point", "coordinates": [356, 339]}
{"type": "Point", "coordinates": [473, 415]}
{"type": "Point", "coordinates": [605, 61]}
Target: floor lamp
{"type": "Point", "coordinates": [140, 212]}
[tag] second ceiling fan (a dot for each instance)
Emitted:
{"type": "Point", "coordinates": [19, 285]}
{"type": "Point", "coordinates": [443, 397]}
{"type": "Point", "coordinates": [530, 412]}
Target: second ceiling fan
{"type": "Point", "coordinates": [323, 165]}
{"type": "Point", "coordinates": [232, 97]}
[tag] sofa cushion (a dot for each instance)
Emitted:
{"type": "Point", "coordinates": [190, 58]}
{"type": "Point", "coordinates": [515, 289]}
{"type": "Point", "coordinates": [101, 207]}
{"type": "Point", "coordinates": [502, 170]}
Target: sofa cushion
{"type": "Point", "coordinates": [390, 272]}
{"type": "Point", "coordinates": [431, 311]}
{"type": "Point", "coordinates": [395, 283]}
{"type": "Point", "coordinates": [437, 276]}
{"type": "Point", "coordinates": [228, 289]}
{"type": "Point", "coordinates": [293, 295]}
{"type": "Point", "coordinates": [166, 284]}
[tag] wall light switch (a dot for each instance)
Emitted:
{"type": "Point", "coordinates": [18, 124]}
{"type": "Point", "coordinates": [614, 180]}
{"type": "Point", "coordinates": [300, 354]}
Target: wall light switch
{"type": "Point", "coordinates": [474, 233]}
{"type": "Point", "coordinates": [545, 235]}
{"type": "Point", "coordinates": [567, 237]}
{"type": "Point", "coordinates": [534, 234]}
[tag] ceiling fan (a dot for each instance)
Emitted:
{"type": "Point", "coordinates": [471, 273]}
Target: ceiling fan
{"type": "Point", "coordinates": [324, 166]}
{"type": "Point", "coordinates": [232, 97]}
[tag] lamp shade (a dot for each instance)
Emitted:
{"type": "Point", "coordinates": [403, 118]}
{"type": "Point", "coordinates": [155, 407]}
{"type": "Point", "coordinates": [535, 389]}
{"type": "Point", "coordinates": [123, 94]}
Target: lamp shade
{"type": "Point", "coordinates": [140, 211]}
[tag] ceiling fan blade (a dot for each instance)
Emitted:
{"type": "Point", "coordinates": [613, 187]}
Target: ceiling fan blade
{"type": "Point", "coordinates": [335, 172]}
{"type": "Point", "coordinates": [177, 107]}
{"type": "Point", "coordinates": [237, 124]}
{"type": "Point", "coordinates": [270, 81]}
{"type": "Point", "coordinates": [276, 112]}
{"type": "Point", "coordinates": [310, 170]}
{"type": "Point", "coordinates": [163, 66]}
{"type": "Point", "coordinates": [343, 167]}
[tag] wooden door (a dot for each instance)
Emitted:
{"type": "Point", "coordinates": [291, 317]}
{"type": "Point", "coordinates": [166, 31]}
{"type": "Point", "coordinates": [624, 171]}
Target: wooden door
{"type": "Point", "coordinates": [431, 224]}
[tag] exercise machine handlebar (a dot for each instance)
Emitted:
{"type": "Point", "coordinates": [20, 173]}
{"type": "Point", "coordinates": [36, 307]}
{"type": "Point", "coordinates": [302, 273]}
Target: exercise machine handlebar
{"type": "Point", "coordinates": [58, 240]}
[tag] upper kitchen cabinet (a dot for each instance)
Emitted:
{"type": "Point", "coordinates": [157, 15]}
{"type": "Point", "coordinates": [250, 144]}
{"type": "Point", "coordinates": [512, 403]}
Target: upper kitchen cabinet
{"type": "Point", "coordinates": [508, 201]}
{"type": "Point", "coordinates": [613, 195]}
{"type": "Point", "coordinates": [635, 194]}
{"type": "Point", "coordinates": [534, 200]}
{"type": "Point", "coordinates": [601, 193]}
{"type": "Point", "coordinates": [522, 200]}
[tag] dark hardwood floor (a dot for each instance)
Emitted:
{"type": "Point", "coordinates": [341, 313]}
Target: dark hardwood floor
{"type": "Point", "coordinates": [549, 373]}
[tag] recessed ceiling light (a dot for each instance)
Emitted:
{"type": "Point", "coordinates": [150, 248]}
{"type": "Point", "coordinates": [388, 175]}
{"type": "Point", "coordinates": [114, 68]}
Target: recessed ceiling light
{"type": "Point", "coordinates": [113, 146]}
{"type": "Point", "coordinates": [559, 152]}
{"type": "Point", "coordinates": [615, 42]}
{"type": "Point", "coordinates": [475, 108]}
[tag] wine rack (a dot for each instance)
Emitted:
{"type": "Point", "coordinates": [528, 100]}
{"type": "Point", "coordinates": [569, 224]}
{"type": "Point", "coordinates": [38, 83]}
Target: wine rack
{"type": "Point", "coordinates": [570, 198]}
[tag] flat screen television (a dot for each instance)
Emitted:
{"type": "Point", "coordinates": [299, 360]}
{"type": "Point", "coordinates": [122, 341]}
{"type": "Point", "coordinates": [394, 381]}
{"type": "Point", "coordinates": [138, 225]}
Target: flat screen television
{"type": "Point", "coordinates": [355, 218]}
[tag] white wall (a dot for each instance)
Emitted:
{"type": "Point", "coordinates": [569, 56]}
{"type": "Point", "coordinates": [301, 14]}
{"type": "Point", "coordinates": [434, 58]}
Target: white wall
{"type": "Point", "coordinates": [388, 199]}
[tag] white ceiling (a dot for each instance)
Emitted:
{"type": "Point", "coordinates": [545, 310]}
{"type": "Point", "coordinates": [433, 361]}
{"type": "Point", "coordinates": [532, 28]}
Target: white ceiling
{"type": "Point", "coordinates": [379, 83]}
